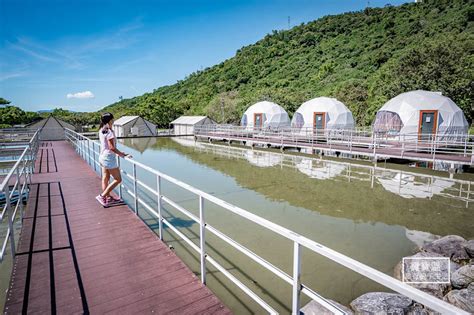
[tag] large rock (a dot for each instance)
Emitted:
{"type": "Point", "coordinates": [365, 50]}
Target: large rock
{"type": "Point", "coordinates": [463, 299]}
{"type": "Point", "coordinates": [462, 277]}
{"type": "Point", "coordinates": [436, 289]}
{"type": "Point", "coordinates": [419, 309]}
{"type": "Point", "coordinates": [469, 247]}
{"type": "Point", "coordinates": [381, 303]}
{"type": "Point", "coordinates": [451, 246]}
{"type": "Point", "coordinates": [314, 308]}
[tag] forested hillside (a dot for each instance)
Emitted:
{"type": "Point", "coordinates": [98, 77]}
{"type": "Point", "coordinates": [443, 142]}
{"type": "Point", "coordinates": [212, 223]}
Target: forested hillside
{"type": "Point", "coordinates": [362, 58]}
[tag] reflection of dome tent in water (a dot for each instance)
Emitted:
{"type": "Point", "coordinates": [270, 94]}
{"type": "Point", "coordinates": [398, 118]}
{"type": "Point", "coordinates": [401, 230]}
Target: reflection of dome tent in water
{"type": "Point", "coordinates": [323, 113]}
{"type": "Point", "coordinates": [405, 185]}
{"type": "Point", "coordinates": [262, 159]}
{"type": "Point", "coordinates": [320, 169]}
{"type": "Point", "coordinates": [418, 112]}
{"type": "Point", "coordinates": [265, 115]}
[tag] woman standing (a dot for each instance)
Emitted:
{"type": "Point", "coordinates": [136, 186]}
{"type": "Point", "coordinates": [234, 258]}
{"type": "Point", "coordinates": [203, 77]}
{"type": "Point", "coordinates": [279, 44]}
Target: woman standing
{"type": "Point", "coordinates": [108, 160]}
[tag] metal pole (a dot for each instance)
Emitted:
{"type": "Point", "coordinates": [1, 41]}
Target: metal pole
{"type": "Point", "coordinates": [468, 194]}
{"type": "Point", "coordinates": [160, 217]}
{"type": "Point", "coordinates": [120, 185]}
{"type": "Point", "coordinates": [295, 309]}
{"type": "Point", "coordinates": [202, 239]}
{"type": "Point", "coordinates": [20, 191]}
{"type": "Point", "coordinates": [135, 187]}
{"type": "Point", "coordinates": [10, 221]}
{"type": "Point", "coordinates": [89, 151]}
{"type": "Point", "coordinates": [93, 156]}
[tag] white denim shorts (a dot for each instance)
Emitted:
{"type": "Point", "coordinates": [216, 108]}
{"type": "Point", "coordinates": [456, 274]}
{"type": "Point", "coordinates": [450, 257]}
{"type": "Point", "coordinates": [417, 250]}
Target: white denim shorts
{"type": "Point", "coordinates": [108, 160]}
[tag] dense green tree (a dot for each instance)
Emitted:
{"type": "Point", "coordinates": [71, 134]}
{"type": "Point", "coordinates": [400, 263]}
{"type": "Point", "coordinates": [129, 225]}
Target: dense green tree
{"type": "Point", "coordinates": [4, 101]}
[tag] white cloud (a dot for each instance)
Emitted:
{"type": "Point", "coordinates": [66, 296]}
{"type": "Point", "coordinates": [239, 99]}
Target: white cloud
{"type": "Point", "coordinates": [85, 94]}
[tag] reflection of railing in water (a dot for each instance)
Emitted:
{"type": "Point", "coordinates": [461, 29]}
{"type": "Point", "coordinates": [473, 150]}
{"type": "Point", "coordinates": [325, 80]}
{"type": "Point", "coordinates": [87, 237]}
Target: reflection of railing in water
{"type": "Point", "coordinates": [89, 150]}
{"type": "Point", "coordinates": [19, 177]}
{"type": "Point", "coordinates": [403, 183]}
{"type": "Point", "coordinates": [453, 148]}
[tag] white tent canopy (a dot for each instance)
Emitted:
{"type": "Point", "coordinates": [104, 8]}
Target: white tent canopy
{"type": "Point", "coordinates": [265, 115]}
{"type": "Point", "coordinates": [410, 112]}
{"type": "Point", "coordinates": [127, 126]}
{"type": "Point", "coordinates": [323, 113]}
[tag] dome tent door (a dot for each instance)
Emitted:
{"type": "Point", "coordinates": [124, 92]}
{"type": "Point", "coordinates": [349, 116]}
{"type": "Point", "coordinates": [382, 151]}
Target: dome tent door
{"type": "Point", "coordinates": [258, 120]}
{"type": "Point", "coordinates": [319, 122]}
{"type": "Point", "coordinates": [427, 124]}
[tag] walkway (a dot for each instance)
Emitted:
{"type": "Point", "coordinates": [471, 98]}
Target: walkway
{"type": "Point", "coordinates": [408, 150]}
{"type": "Point", "coordinates": [74, 256]}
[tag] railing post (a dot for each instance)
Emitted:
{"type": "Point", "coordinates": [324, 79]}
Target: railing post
{"type": "Point", "coordinates": [295, 309]}
{"type": "Point", "coordinates": [135, 190]}
{"type": "Point", "coordinates": [160, 217]}
{"type": "Point", "coordinates": [10, 221]}
{"type": "Point", "coordinates": [20, 191]}
{"type": "Point", "coordinates": [119, 186]}
{"type": "Point", "coordinates": [202, 239]}
{"type": "Point", "coordinates": [468, 194]}
{"type": "Point", "coordinates": [89, 151]}
{"type": "Point", "coordinates": [93, 156]}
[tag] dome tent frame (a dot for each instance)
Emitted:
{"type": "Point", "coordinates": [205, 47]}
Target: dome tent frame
{"type": "Point", "coordinates": [265, 115]}
{"type": "Point", "coordinates": [322, 113]}
{"type": "Point", "coordinates": [422, 114]}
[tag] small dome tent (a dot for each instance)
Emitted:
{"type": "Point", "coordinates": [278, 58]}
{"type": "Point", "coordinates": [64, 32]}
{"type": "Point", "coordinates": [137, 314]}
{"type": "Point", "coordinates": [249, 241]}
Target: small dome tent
{"type": "Point", "coordinates": [266, 115]}
{"type": "Point", "coordinates": [421, 113]}
{"type": "Point", "coordinates": [322, 113]}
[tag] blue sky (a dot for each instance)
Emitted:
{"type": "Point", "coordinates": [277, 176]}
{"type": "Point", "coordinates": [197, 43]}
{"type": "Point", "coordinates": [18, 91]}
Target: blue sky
{"type": "Point", "coordinates": [83, 55]}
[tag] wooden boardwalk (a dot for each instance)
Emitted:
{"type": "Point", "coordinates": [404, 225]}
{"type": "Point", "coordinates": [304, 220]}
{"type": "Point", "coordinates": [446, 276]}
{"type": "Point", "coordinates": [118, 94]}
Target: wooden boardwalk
{"type": "Point", "coordinates": [364, 149]}
{"type": "Point", "coordinates": [74, 256]}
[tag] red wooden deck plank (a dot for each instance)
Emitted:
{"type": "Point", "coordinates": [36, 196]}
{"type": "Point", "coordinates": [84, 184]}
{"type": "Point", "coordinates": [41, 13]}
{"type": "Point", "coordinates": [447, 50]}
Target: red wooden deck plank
{"type": "Point", "coordinates": [122, 264]}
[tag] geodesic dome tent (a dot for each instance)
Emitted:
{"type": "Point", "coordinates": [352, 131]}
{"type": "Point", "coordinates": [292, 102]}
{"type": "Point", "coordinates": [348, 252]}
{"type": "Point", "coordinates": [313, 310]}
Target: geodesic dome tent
{"type": "Point", "coordinates": [266, 115]}
{"type": "Point", "coordinates": [421, 113]}
{"type": "Point", "coordinates": [322, 113]}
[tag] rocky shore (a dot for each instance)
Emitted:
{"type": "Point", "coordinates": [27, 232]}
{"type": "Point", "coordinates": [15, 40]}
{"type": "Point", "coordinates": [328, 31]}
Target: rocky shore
{"type": "Point", "coordinates": [459, 292]}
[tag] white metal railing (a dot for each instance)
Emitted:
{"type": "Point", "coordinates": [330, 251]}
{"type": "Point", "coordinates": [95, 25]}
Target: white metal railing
{"type": "Point", "coordinates": [19, 177]}
{"type": "Point", "coordinates": [432, 147]}
{"type": "Point", "coordinates": [89, 150]}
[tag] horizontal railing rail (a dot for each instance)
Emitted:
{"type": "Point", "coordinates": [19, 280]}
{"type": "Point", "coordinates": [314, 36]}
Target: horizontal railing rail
{"type": "Point", "coordinates": [89, 150]}
{"type": "Point", "coordinates": [17, 181]}
{"type": "Point", "coordinates": [432, 147]}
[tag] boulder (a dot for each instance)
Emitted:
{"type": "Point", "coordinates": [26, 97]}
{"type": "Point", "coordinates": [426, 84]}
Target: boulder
{"type": "Point", "coordinates": [469, 247]}
{"type": "Point", "coordinates": [462, 277]}
{"type": "Point", "coordinates": [381, 303]}
{"type": "Point", "coordinates": [419, 309]}
{"type": "Point", "coordinates": [463, 298]}
{"type": "Point", "coordinates": [451, 246]}
{"type": "Point", "coordinates": [435, 289]}
{"type": "Point", "coordinates": [314, 308]}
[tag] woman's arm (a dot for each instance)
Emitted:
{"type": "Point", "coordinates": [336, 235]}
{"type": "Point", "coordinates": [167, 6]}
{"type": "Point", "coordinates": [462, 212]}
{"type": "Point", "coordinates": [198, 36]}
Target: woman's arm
{"type": "Point", "coordinates": [114, 149]}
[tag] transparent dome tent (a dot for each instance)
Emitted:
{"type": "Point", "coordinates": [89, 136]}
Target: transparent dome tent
{"type": "Point", "coordinates": [421, 114]}
{"type": "Point", "coordinates": [265, 115]}
{"type": "Point", "coordinates": [322, 113]}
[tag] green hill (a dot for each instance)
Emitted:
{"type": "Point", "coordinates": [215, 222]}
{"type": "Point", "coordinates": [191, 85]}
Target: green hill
{"type": "Point", "coordinates": [362, 58]}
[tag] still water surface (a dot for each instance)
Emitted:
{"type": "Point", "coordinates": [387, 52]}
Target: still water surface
{"type": "Point", "coordinates": [373, 215]}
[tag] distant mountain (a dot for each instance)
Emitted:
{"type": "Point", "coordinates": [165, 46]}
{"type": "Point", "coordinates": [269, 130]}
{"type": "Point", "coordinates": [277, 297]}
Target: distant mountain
{"type": "Point", "coordinates": [362, 58]}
